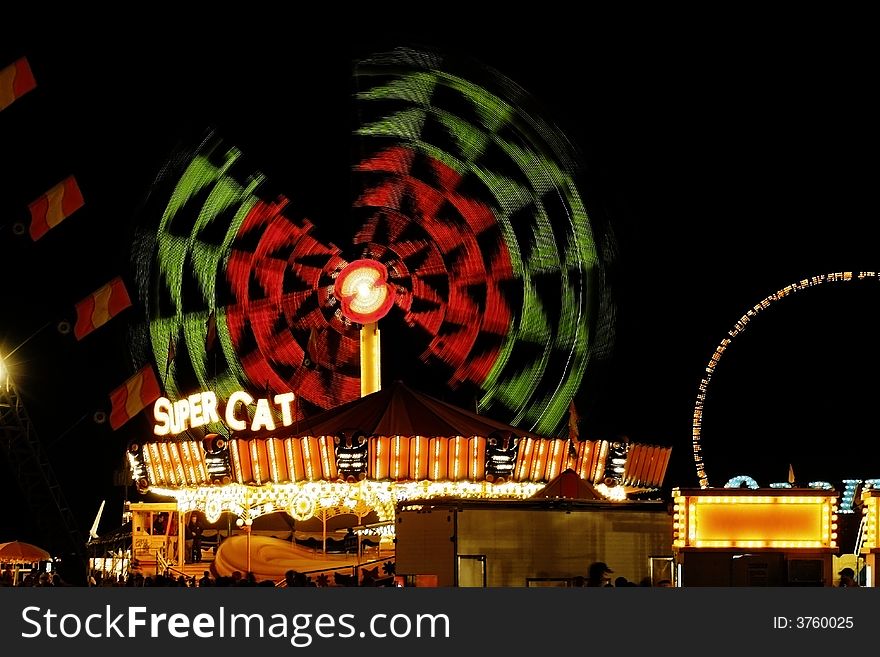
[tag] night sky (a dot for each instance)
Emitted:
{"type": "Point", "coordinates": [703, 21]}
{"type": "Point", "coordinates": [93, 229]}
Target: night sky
{"type": "Point", "coordinates": [728, 163]}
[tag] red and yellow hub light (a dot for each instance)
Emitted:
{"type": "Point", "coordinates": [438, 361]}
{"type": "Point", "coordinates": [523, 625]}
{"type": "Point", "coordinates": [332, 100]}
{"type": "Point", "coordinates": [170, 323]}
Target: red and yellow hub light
{"type": "Point", "coordinates": [363, 290]}
{"type": "Point", "coordinates": [366, 297]}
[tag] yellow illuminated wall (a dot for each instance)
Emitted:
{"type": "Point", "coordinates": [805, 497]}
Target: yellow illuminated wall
{"type": "Point", "coordinates": [782, 520]}
{"type": "Point", "coordinates": [871, 508]}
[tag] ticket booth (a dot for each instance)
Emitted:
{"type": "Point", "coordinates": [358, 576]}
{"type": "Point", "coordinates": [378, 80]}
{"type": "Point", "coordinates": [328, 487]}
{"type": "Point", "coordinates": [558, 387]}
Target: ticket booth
{"type": "Point", "coordinates": [157, 535]}
{"type": "Point", "coordinates": [870, 546]}
{"type": "Point", "coordinates": [755, 537]}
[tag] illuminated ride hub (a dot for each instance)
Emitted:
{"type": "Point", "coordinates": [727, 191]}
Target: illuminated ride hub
{"type": "Point", "coordinates": [373, 452]}
{"type": "Point", "coordinates": [366, 297]}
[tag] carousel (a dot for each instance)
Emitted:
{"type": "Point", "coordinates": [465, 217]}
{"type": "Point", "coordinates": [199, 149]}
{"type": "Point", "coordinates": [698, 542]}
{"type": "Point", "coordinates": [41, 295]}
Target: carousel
{"type": "Point", "coordinates": [388, 446]}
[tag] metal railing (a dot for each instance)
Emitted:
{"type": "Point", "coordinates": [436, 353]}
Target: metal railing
{"type": "Point", "coordinates": [165, 567]}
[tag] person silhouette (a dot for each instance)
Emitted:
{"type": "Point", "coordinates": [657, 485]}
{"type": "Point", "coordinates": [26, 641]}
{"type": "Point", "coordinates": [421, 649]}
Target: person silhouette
{"type": "Point", "coordinates": [195, 530]}
{"type": "Point", "coordinates": [350, 542]}
{"type": "Point", "coordinates": [599, 574]}
{"type": "Point", "coordinates": [848, 578]}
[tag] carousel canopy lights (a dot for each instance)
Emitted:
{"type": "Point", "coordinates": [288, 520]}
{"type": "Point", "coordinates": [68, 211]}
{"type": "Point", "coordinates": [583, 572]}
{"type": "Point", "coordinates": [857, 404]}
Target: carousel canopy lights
{"type": "Point", "coordinates": [364, 292]}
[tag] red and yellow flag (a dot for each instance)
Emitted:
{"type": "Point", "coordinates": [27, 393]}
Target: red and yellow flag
{"type": "Point", "coordinates": [54, 206]}
{"type": "Point", "coordinates": [100, 307]}
{"type": "Point", "coordinates": [132, 397]}
{"type": "Point", "coordinates": [15, 81]}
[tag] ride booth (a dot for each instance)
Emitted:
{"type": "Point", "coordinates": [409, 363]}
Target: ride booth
{"type": "Point", "coordinates": [870, 543]}
{"type": "Point", "coordinates": [755, 537]}
{"type": "Point", "coordinates": [528, 543]}
{"type": "Point", "coordinates": [157, 536]}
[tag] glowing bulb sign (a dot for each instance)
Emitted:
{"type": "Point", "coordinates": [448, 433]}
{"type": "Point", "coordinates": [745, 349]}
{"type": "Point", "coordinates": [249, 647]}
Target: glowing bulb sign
{"type": "Point", "coordinates": [363, 290]}
{"type": "Point", "coordinates": [847, 499]}
{"type": "Point", "coordinates": [202, 408]}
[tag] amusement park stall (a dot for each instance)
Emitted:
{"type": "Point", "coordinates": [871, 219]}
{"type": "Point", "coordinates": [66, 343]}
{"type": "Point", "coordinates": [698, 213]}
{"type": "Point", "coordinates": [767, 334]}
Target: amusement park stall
{"type": "Point", "coordinates": [870, 544]}
{"type": "Point", "coordinates": [527, 543]}
{"type": "Point", "coordinates": [157, 534]}
{"type": "Point", "coordinates": [755, 537]}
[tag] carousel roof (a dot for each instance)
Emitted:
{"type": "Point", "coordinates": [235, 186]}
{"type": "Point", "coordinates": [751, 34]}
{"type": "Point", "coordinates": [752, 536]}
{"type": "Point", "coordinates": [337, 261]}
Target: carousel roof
{"type": "Point", "coordinates": [398, 410]}
{"type": "Point", "coordinates": [316, 449]}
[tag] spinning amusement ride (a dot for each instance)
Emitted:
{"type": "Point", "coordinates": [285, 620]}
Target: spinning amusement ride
{"type": "Point", "coordinates": [474, 251]}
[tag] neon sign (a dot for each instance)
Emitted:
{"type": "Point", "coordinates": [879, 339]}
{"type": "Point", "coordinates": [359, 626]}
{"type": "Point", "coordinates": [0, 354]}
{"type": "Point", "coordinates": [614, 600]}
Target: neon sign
{"type": "Point", "coordinates": [202, 408]}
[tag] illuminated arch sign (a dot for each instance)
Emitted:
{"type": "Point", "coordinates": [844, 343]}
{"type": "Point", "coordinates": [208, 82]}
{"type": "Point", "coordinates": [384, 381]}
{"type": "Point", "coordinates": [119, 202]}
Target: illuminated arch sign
{"type": "Point", "coordinates": [173, 417]}
{"type": "Point", "coordinates": [740, 326]}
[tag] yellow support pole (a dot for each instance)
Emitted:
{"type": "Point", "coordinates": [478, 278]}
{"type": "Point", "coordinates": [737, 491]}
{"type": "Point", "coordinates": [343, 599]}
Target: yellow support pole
{"type": "Point", "coordinates": [371, 371]}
